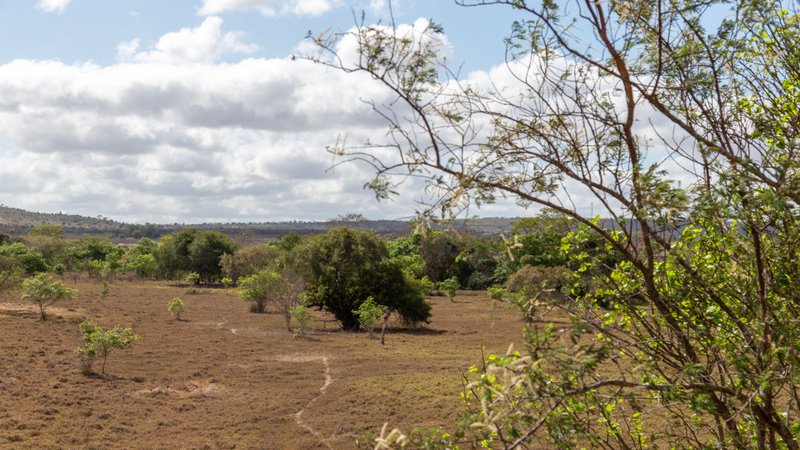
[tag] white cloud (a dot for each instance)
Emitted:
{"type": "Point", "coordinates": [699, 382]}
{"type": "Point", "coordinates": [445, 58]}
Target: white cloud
{"type": "Point", "coordinates": [205, 43]}
{"type": "Point", "coordinates": [269, 8]}
{"type": "Point", "coordinates": [171, 134]}
{"type": "Point", "coordinates": [52, 6]}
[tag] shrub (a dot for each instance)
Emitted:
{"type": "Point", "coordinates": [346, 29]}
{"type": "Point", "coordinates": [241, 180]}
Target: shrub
{"type": "Point", "coordinates": [258, 288]}
{"type": "Point", "coordinates": [368, 313]}
{"type": "Point", "coordinates": [43, 291]}
{"type": "Point", "coordinates": [450, 286]}
{"type": "Point", "coordinates": [176, 307]}
{"type": "Point", "coordinates": [193, 278]}
{"type": "Point", "coordinates": [300, 315]}
{"type": "Point", "coordinates": [97, 343]}
{"type": "Point", "coordinates": [496, 293]}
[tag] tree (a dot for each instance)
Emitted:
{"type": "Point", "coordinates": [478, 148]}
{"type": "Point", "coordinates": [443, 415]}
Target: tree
{"type": "Point", "coordinates": [258, 288]}
{"type": "Point", "coordinates": [30, 260]}
{"type": "Point", "coordinates": [692, 319]}
{"type": "Point", "coordinates": [287, 293]}
{"type": "Point", "coordinates": [43, 291]}
{"type": "Point", "coordinates": [192, 250]}
{"type": "Point", "coordinates": [98, 343]}
{"type": "Point", "coordinates": [10, 274]}
{"type": "Point", "coordinates": [345, 266]}
{"type": "Point", "coordinates": [439, 251]}
{"type": "Point", "coordinates": [248, 260]}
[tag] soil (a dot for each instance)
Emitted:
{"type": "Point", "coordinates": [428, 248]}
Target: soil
{"type": "Point", "coordinates": [222, 377]}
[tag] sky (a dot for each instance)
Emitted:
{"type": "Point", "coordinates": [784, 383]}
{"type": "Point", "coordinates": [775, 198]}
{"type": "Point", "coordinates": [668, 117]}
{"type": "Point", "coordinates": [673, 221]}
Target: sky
{"type": "Point", "coordinates": [188, 111]}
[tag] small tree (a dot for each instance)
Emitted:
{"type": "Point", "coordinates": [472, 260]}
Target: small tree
{"type": "Point", "coordinates": [450, 286]}
{"type": "Point", "coordinates": [286, 293]}
{"type": "Point", "coordinates": [258, 288]}
{"type": "Point", "coordinates": [104, 291]}
{"type": "Point", "coordinates": [300, 315]}
{"type": "Point", "coordinates": [176, 307]}
{"type": "Point", "coordinates": [43, 291]}
{"type": "Point", "coordinates": [369, 313]}
{"type": "Point", "coordinates": [97, 343]}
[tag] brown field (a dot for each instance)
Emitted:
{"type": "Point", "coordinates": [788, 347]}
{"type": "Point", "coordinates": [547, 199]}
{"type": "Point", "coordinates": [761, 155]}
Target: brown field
{"type": "Point", "coordinates": [226, 378]}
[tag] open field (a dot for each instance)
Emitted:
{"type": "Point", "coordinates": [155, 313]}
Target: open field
{"type": "Point", "coordinates": [227, 378]}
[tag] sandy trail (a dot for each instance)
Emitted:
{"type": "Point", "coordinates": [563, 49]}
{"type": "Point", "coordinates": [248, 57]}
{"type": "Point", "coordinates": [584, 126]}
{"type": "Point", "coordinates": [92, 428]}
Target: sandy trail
{"type": "Point", "coordinates": [295, 359]}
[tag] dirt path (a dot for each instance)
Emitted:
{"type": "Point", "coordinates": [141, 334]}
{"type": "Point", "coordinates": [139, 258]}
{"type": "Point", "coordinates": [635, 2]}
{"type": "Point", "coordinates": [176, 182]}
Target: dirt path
{"type": "Point", "coordinates": [296, 359]}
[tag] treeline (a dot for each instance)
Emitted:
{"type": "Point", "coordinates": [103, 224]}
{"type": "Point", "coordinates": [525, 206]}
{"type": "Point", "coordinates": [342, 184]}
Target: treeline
{"type": "Point", "coordinates": [337, 270]}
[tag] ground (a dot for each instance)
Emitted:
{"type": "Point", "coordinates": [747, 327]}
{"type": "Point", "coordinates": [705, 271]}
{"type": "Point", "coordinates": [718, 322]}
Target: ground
{"type": "Point", "coordinates": [226, 378]}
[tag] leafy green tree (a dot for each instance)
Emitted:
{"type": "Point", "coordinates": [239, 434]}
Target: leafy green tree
{"type": "Point", "coordinates": [10, 274]}
{"type": "Point", "coordinates": [368, 313]}
{"type": "Point", "coordinates": [344, 266]}
{"type": "Point", "coordinates": [205, 252]}
{"type": "Point", "coordinates": [192, 250]}
{"type": "Point", "coordinates": [258, 289]}
{"type": "Point", "coordinates": [691, 319]}
{"type": "Point", "coordinates": [49, 230]}
{"type": "Point", "coordinates": [98, 343]}
{"type": "Point", "coordinates": [30, 260]}
{"type": "Point", "coordinates": [43, 291]}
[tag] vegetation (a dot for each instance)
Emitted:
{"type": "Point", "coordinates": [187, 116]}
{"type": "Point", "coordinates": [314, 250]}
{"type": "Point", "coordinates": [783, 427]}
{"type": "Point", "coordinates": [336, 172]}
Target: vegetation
{"type": "Point", "coordinates": [43, 291]}
{"type": "Point", "coordinates": [450, 286]}
{"type": "Point", "coordinates": [259, 289]}
{"type": "Point", "coordinates": [98, 343]}
{"type": "Point", "coordinates": [302, 317]}
{"type": "Point", "coordinates": [343, 267]}
{"type": "Point", "coordinates": [369, 313]}
{"type": "Point", "coordinates": [192, 250]}
{"type": "Point", "coordinates": [176, 307]}
{"type": "Point", "coordinates": [684, 298]}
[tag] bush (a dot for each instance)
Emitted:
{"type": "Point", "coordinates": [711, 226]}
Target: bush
{"type": "Point", "coordinates": [450, 286]}
{"type": "Point", "coordinates": [258, 288]}
{"type": "Point", "coordinates": [43, 291]}
{"type": "Point", "coordinates": [300, 315]}
{"type": "Point", "coordinates": [176, 307]}
{"type": "Point", "coordinates": [98, 343]}
{"type": "Point", "coordinates": [193, 278]}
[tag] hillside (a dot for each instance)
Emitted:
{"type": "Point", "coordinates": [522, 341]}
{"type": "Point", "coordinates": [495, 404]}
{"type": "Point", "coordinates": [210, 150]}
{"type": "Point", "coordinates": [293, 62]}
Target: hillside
{"type": "Point", "coordinates": [19, 221]}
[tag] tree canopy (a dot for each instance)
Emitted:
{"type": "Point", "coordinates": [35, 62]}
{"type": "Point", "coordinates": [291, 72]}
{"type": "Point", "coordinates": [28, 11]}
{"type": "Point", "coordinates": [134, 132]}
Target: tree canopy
{"type": "Point", "coordinates": [344, 267]}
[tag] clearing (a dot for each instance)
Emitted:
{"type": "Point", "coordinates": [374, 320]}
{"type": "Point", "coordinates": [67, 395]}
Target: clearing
{"type": "Point", "coordinates": [226, 378]}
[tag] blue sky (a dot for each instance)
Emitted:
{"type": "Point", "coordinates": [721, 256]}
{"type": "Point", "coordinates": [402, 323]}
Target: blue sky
{"type": "Point", "coordinates": [191, 111]}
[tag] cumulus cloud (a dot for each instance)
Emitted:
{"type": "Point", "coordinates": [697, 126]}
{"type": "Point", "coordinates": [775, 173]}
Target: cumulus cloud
{"type": "Point", "coordinates": [269, 8]}
{"type": "Point", "coordinates": [205, 43]}
{"type": "Point", "coordinates": [169, 133]}
{"type": "Point", "coordinates": [52, 6]}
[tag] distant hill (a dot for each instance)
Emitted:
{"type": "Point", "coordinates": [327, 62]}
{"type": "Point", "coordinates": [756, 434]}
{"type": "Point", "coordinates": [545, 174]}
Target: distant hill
{"type": "Point", "coordinates": [19, 221]}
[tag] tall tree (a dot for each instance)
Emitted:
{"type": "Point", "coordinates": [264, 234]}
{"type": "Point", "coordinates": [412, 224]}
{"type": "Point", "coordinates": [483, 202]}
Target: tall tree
{"type": "Point", "coordinates": [611, 102]}
{"type": "Point", "coordinates": [344, 267]}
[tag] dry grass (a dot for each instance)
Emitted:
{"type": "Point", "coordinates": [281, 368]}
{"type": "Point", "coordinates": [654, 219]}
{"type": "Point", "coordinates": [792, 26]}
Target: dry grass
{"type": "Point", "coordinates": [226, 378]}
